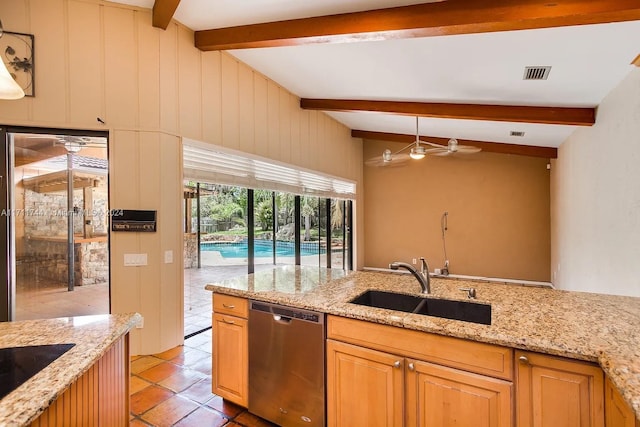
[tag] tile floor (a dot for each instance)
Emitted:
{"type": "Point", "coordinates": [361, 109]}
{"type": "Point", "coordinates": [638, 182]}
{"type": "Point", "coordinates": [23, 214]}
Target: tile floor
{"type": "Point", "coordinates": [174, 389]}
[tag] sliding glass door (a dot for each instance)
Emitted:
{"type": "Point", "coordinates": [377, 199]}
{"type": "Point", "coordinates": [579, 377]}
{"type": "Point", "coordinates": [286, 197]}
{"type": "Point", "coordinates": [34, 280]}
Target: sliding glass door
{"type": "Point", "coordinates": [55, 221]}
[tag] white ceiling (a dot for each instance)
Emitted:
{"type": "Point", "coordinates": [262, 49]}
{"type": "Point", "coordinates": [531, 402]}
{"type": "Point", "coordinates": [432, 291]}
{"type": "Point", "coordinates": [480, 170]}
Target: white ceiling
{"type": "Point", "coordinates": [588, 61]}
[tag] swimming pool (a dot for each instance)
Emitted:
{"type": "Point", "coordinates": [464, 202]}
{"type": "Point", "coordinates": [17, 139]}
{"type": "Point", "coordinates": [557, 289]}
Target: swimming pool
{"type": "Point", "coordinates": [262, 248]}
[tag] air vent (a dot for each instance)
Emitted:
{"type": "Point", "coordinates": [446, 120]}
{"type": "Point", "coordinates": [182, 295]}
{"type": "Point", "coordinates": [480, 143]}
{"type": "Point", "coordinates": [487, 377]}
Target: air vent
{"type": "Point", "coordinates": [536, 73]}
{"type": "Point", "coordinates": [516, 133]}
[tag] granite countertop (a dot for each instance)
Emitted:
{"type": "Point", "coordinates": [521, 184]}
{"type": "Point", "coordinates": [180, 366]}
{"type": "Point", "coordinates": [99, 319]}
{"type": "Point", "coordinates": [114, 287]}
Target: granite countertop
{"type": "Point", "coordinates": [593, 327]}
{"type": "Point", "coordinates": [92, 336]}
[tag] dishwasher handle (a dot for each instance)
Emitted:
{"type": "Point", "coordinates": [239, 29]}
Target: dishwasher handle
{"type": "Point", "coordinates": [281, 319]}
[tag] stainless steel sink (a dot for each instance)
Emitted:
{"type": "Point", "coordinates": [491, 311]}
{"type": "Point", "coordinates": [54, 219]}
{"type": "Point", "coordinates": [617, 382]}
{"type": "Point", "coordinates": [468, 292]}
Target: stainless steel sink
{"type": "Point", "coordinates": [465, 311]}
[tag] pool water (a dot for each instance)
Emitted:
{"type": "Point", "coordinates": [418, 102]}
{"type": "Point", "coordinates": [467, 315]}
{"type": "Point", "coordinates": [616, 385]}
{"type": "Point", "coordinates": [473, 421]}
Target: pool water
{"type": "Point", "coordinates": [262, 248]}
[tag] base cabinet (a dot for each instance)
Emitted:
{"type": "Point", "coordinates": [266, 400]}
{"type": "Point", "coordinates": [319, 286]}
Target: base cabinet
{"type": "Point", "coordinates": [99, 397]}
{"type": "Point", "coordinates": [617, 412]}
{"type": "Point", "coordinates": [371, 387]}
{"type": "Point", "coordinates": [230, 355]}
{"type": "Point", "coordinates": [558, 392]}
{"type": "Point", "coordinates": [438, 396]}
{"type": "Point", "coordinates": [364, 387]}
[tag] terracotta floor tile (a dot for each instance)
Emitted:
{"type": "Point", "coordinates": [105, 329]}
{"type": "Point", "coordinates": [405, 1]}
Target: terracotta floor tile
{"type": "Point", "coordinates": [169, 412]}
{"type": "Point", "coordinates": [250, 420]}
{"type": "Point", "coordinates": [171, 353]}
{"type": "Point", "coordinates": [148, 398]}
{"type": "Point", "coordinates": [203, 417]}
{"type": "Point", "coordinates": [200, 391]}
{"type": "Point", "coordinates": [143, 363]}
{"type": "Point", "coordinates": [160, 372]}
{"type": "Point", "coordinates": [182, 379]}
{"type": "Point", "coordinates": [229, 409]}
{"type": "Point", "coordinates": [136, 384]}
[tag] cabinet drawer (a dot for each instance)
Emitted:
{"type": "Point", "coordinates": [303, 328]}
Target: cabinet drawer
{"type": "Point", "coordinates": [485, 359]}
{"type": "Point", "coordinates": [227, 304]}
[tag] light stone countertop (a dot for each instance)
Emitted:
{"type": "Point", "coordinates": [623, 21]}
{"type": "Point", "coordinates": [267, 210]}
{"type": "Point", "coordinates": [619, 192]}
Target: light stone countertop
{"type": "Point", "coordinates": [594, 327]}
{"type": "Point", "coordinates": [92, 336]}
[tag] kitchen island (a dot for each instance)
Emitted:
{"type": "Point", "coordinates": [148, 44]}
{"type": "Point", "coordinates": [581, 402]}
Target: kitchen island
{"type": "Point", "coordinates": [602, 329]}
{"type": "Point", "coordinates": [100, 351]}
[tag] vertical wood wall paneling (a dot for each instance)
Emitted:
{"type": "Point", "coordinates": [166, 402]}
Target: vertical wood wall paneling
{"type": "Point", "coordinates": [285, 126]}
{"type": "Point", "coordinates": [100, 396]}
{"type": "Point", "coordinates": [230, 107]}
{"type": "Point", "coordinates": [190, 86]}
{"type": "Point", "coordinates": [170, 226]}
{"type": "Point", "coordinates": [245, 108]}
{"type": "Point", "coordinates": [148, 72]}
{"type": "Point", "coordinates": [150, 197]}
{"type": "Point", "coordinates": [212, 97]}
{"type": "Point", "coordinates": [261, 114]}
{"type": "Point", "coordinates": [273, 120]}
{"type": "Point", "coordinates": [50, 101]}
{"type": "Point", "coordinates": [295, 115]}
{"type": "Point", "coordinates": [121, 67]}
{"type": "Point", "coordinates": [86, 66]}
{"type": "Point", "coordinates": [305, 125]}
{"type": "Point", "coordinates": [169, 79]}
{"type": "Point", "coordinates": [124, 181]}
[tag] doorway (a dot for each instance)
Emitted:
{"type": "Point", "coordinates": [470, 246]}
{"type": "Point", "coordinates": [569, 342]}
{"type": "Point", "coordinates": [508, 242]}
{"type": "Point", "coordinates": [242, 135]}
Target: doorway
{"type": "Point", "coordinates": [55, 220]}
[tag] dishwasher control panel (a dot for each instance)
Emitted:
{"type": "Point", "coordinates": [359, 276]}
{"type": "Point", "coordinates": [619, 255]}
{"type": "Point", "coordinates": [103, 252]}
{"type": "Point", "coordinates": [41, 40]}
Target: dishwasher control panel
{"type": "Point", "coordinates": [291, 313]}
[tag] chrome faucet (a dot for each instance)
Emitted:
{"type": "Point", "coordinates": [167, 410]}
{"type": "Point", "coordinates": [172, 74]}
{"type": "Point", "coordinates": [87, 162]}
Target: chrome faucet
{"type": "Point", "coordinates": [422, 275]}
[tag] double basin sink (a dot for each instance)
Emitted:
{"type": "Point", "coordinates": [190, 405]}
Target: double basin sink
{"type": "Point", "coordinates": [449, 309]}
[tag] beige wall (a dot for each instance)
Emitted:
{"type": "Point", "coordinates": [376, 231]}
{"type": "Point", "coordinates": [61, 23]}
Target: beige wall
{"type": "Point", "coordinates": [595, 191]}
{"type": "Point", "coordinates": [152, 87]}
{"type": "Point", "coordinates": [498, 209]}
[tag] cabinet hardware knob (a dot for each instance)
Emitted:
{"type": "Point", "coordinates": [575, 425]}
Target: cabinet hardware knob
{"type": "Point", "coordinates": [229, 322]}
{"type": "Point", "coordinates": [396, 364]}
{"type": "Point", "coordinates": [524, 359]}
{"type": "Point", "coordinates": [412, 367]}
{"type": "Point", "coordinates": [228, 306]}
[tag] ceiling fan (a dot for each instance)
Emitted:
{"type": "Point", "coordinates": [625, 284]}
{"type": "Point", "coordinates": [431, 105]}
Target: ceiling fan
{"type": "Point", "coordinates": [72, 143]}
{"type": "Point", "coordinates": [418, 151]}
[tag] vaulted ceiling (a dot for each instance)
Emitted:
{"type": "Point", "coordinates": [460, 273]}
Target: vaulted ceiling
{"type": "Point", "coordinates": [459, 65]}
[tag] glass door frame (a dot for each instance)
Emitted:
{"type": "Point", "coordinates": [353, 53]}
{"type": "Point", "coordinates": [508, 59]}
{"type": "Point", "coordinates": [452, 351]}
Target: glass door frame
{"type": "Point", "coordinates": [7, 233]}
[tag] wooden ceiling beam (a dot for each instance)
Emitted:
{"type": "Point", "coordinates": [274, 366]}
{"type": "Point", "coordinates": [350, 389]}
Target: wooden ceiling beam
{"type": "Point", "coordinates": [420, 20]}
{"type": "Point", "coordinates": [163, 11]}
{"type": "Point", "coordinates": [496, 113]}
{"type": "Point", "coordinates": [490, 147]}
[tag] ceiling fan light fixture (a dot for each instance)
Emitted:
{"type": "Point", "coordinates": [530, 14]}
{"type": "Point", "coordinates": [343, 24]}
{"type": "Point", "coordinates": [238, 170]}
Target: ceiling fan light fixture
{"type": "Point", "coordinates": [386, 156]}
{"type": "Point", "coordinates": [417, 152]}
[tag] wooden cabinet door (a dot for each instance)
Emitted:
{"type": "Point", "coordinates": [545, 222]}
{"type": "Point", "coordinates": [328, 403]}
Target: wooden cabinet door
{"type": "Point", "coordinates": [438, 396]}
{"type": "Point", "coordinates": [364, 387]}
{"type": "Point", "coordinates": [618, 413]}
{"type": "Point", "coordinates": [557, 392]}
{"type": "Point", "coordinates": [231, 358]}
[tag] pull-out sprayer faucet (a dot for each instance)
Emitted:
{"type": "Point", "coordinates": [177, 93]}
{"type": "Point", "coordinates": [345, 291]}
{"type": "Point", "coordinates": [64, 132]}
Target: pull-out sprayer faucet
{"type": "Point", "coordinates": [422, 276]}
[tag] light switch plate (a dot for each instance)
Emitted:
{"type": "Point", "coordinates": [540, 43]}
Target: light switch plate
{"type": "Point", "coordinates": [168, 257]}
{"type": "Point", "coordinates": [135, 260]}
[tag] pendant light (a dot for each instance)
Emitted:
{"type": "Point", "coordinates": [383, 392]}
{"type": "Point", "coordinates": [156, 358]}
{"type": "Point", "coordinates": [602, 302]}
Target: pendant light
{"type": "Point", "coordinates": [9, 89]}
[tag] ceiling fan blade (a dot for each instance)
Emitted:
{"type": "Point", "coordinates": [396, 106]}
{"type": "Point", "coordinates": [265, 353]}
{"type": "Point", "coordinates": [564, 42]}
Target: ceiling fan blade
{"type": "Point", "coordinates": [395, 161]}
{"type": "Point", "coordinates": [432, 144]}
{"type": "Point", "coordinates": [467, 149]}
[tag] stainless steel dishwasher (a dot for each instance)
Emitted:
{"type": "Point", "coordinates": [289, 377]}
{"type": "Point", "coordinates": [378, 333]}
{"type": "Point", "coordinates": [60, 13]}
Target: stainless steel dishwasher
{"type": "Point", "coordinates": [286, 365]}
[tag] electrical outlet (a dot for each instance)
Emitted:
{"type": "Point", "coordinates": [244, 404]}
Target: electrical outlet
{"type": "Point", "coordinates": [168, 257]}
{"type": "Point", "coordinates": [415, 261]}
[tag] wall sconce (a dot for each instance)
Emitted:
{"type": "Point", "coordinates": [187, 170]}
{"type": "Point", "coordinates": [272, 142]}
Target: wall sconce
{"type": "Point", "coordinates": [9, 88]}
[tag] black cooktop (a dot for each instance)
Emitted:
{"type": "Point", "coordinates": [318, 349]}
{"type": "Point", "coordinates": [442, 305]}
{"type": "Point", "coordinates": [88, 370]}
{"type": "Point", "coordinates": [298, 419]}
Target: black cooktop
{"type": "Point", "coordinates": [18, 364]}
